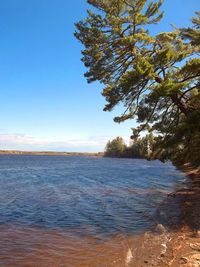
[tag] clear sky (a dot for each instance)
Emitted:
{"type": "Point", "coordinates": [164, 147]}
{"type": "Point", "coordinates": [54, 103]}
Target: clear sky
{"type": "Point", "coordinates": [45, 102]}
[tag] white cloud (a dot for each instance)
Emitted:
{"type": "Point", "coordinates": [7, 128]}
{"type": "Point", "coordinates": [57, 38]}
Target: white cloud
{"type": "Point", "coordinates": [26, 142]}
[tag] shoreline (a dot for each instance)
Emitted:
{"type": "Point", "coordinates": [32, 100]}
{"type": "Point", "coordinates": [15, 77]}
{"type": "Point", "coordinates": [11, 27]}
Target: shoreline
{"type": "Point", "coordinates": [176, 243]}
{"type": "Point", "coordinates": [50, 153]}
{"type": "Point", "coordinates": [185, 243]}
{"type": "Point", "coordinates": [190, 171]}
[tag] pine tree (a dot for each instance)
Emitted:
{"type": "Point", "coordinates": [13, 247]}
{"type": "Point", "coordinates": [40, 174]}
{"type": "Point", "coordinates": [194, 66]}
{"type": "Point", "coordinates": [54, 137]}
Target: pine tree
{"type": "Point", "coordinates": [156, 77]}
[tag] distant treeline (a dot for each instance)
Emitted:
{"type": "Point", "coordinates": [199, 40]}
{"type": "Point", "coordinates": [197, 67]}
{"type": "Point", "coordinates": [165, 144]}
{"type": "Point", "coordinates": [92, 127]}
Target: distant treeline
{"type": "Point", "coordinates": [49, 153]}
{"type": "Point", "coordinates": [139, 148]}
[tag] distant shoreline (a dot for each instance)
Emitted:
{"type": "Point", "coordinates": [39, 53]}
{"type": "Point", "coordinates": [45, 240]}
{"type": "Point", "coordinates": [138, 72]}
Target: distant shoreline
{"type": "Point", "coordinates": [50, 153]}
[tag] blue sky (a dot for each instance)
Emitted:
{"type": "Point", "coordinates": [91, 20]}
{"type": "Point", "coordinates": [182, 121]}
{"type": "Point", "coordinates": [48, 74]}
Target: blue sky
{"type": "Point", "coordinates": [46, 103]}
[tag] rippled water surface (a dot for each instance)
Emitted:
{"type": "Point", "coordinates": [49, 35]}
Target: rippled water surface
{"type": "Point", "coordinates": [77, 211]}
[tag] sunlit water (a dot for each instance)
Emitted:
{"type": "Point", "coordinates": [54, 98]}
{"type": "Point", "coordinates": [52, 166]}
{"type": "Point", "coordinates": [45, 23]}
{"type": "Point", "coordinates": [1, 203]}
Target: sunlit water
{"type": "Point", "coordinates": [78, 211]}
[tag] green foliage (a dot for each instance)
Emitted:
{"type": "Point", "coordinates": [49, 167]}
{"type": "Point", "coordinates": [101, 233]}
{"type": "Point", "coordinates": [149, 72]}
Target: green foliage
{"type": "Point", "coordinates": [157, 78]}
{"type": "Point", "coordinates": [193, 34]}
{"type": "Point", "coordinates": [115, 148]}
{"type": "Point", "coordinates": [139, 148]}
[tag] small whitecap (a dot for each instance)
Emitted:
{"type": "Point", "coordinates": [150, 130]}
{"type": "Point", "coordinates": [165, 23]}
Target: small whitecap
{"type": "Point", "coordinates": [129, 256]}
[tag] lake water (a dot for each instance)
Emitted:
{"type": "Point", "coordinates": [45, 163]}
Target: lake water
{"type": "Point", "coordinates": [78, 211]}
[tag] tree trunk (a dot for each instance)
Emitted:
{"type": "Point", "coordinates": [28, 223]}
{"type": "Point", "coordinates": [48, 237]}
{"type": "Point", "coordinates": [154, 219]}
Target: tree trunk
{"type": "Point", "coordinates": [182, 106]}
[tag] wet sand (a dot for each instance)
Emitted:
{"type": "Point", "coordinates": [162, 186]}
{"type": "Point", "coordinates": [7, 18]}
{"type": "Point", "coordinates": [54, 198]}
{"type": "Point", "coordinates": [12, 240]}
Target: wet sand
{"type": "Point", "coordinates": [32, 247]}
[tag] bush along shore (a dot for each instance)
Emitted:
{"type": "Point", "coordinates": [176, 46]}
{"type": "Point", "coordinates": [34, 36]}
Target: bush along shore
{"type": "Point", "coordinates": [147, 147]}
{"type": "Point", "coordinates": [140, 148]}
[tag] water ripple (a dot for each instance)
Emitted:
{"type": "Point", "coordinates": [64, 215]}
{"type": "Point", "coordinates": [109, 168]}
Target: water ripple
{"type": "Point", "coordinates": [68, 200]}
